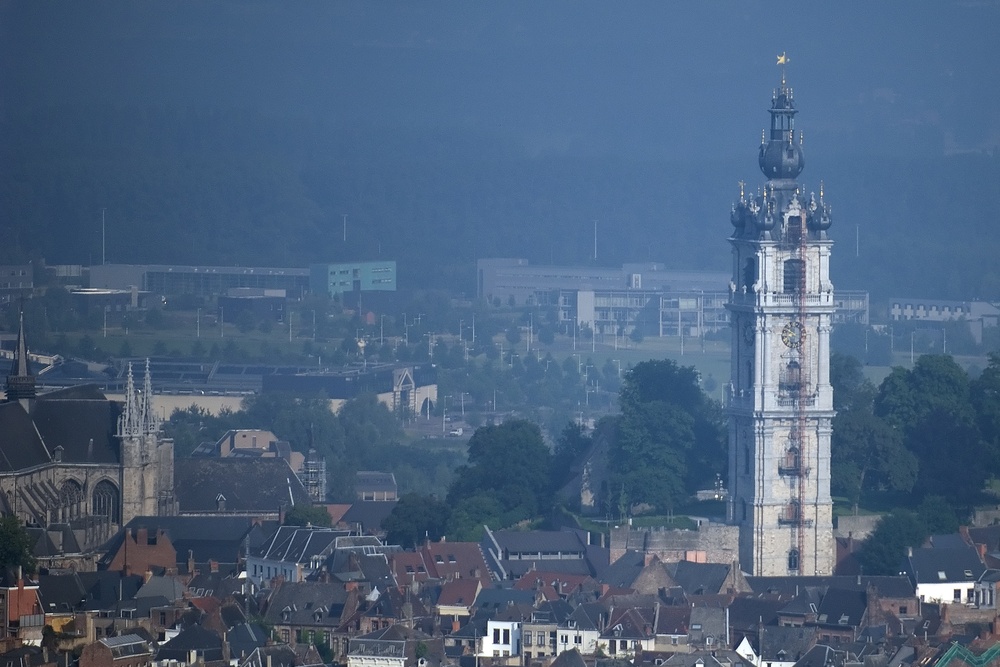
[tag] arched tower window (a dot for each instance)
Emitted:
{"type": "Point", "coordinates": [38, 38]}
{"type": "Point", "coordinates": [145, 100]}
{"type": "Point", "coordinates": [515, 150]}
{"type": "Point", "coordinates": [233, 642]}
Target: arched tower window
{"type": "Point", "coordinates": [791, 379]}
{"type": "Point", "coordinates": [794, 274]}
{"type": "Point", "coordinates": [105, 501]}
{"type": "Point", "coordinates": [790, 513]}
{"type": "Point", "coordinates": [793, 560]}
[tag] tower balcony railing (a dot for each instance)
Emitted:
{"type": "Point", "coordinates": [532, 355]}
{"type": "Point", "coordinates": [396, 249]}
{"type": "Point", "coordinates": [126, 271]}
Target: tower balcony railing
{"type": "Point", "coordinates": [795, 401]}
{"type": "Point", "coordinates": [810, 299]}
{"type": "Point", "coordinates": [795, 521]}
{"type": "Point", "coordinates": [793, 471]}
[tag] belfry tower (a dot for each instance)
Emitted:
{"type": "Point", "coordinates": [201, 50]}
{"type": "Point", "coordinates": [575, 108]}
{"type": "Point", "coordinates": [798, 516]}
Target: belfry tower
{"type": "Point", "coordinates": [780, 403]}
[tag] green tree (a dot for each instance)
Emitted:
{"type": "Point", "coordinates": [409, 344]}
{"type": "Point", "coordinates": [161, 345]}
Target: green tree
{"type": "Point", "coordinates": [15, 545]}
{"type": "Point", "coordinates": [571, 446]}
{"type": "Point", "coordinates": [868, 455]}
{"type": "Point", "coordinates": [670, 436]}
{"type": "Point", "coordinates": [932, 406]}
{"type": "Point", "coordinates": [510, 465]}
{"type": "Point", "coordinates": [307, 515]}
{"type": "Point", "coordinates": [882, 553]}
{"type": "Point", "coordinates": [415, 518]}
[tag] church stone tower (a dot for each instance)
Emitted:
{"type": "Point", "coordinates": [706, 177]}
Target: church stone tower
{"type": "Point", "coordinates": [147, 459]}
{"type": "Point", "coordinates": [780, 403]}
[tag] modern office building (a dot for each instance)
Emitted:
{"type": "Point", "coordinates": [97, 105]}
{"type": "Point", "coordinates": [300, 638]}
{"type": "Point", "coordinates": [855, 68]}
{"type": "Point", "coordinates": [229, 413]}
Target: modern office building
{"type": "Point", "coordinates": [335, 279]}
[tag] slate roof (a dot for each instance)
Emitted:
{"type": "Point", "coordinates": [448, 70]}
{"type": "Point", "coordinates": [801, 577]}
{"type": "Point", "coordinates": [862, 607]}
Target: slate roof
{"type": "Point", "coordinates": [299, 544]}
{"type": "Point", "coordinates": [699, 578]}
{"type": "Point", "coordinates": [249, 486]}
{"type": "Point", "coordinates": [624, 571]}
{"type": "Point", "coordinates": [940, 565]}
{"type": "Point", "coordinates": [61, 592]}
{"type": "Point", "coordinates": [307, 603]}
{"type": "Point", "coordinates": [888, 587]}
{"type": "Point", "coordinates": [371, 480]}
{"type": "Point", "coordinates": [193, 638]}
{"type": "Point", "coordinates": [785, 644]}
{"type": "Point", "coordinates": [277, 655]}
{"type": "Point", "coordinates": [589, 616]}
{"type": "Point", "coordinates": [369, 514]}
{"type": "Point", "coordinates": [105, 588]}
{"type": "Point", "coordinates": [494, 599]}
{"type": "Point", "coordinates": [822, 656]}
{"type": "Point", "coordinates": [842, 607]}
{"type": "Point", "coordinates": [167, 587]}
{"type": "Point", "coordinates": [629, 623]}
{"type": "Point", "coordinates": [81, 420]}
{"type": "Point", "coordinates": [218, 538]}
{"type": "Point", "coordinates": [570, 658]}
{"type": "Point", "coordinates": [709, 625]}
{"type": "Point", "coordinates": [537, 541]}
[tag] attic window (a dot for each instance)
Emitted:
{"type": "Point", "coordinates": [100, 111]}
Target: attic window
{"type": "Point", "coordinates": [438, 559]}
{"type": "Point", "coordinates": [968, 573]}
{"type": "Point", "coordinates": [844, 619]}
{"type": "Point", "coordinates": [941, 575]}
{"type": "Point", "coordinates": [696, 626]}
{"type": "Point", "coordinates": [822, 618]}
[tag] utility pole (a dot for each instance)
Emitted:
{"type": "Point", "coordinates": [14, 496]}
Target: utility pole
{"type": "Point", "coordinates": [104, 257]}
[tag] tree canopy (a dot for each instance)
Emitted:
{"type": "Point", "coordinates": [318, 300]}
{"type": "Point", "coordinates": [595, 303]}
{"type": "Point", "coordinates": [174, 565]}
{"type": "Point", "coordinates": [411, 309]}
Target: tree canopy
{"type": "Point", "coordinates": [670, 437]}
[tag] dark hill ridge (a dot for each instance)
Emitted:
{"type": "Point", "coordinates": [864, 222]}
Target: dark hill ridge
{"type": "Point", "coordinates": [224, 133]}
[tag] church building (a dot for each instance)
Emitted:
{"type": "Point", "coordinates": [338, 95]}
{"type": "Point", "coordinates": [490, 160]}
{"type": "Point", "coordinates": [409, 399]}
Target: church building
{"type": "Point", "coordinates": [72, 456]}
{"type": "Point", "coordinates": [780, 403]}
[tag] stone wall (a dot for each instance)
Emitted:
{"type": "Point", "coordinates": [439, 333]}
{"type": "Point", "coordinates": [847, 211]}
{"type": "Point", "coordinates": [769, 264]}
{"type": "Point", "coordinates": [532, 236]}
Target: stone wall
{"type": "Point", "coordinates": [711, 543]}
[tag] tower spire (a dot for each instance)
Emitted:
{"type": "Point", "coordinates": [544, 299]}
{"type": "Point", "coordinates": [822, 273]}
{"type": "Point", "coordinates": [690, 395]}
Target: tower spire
{"type": "Point", "coordinates": [20, 381]}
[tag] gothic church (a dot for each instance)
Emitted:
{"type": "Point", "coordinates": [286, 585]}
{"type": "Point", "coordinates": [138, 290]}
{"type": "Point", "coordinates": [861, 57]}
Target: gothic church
{"type": "Point", "coordinates": [72, 456]}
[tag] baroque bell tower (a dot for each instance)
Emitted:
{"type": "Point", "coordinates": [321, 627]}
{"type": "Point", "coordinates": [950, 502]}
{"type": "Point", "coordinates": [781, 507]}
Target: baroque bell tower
{"type": "Point", "coordinates": [780, 403]}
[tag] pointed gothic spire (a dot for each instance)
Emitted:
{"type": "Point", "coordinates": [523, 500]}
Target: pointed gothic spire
{"type": "Point", "coordinates": [20, 381]}
{"type": "Point", "coordinates": [129, 424]}
{"type": "Point", "coordinates": [150, 423]}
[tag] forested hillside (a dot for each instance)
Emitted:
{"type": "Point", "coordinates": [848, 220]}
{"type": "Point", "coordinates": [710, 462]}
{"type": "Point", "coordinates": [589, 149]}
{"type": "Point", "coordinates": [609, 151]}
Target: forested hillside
{"type": "Point", "coordinates": [242, 133]}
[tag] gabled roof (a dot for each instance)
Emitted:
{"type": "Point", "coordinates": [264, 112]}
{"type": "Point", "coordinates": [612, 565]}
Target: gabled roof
{"type": "Point", "coordinates": [307, 603]}
{"type": "Point", "coordinates": [629, 623]}
{"type": "Point", "coordinates": [246, 486]}
{"type": "Point", "coordinates": [459, 593]}
{"type": "Point", "coordinates": [218, 538]}
{"type": "Point", "coordinates": [589, 616]}
{"type": "Point", "coordinates": [61, 592]}
{"type": "Point", "coordinates": [822, 656]}
{"type": "Point", "coordinates": [553, 585]}
{"type": "Point", "coordinates": [673, 620]}
{"type": "Point", "coordinates": [456, 559]}
{"type": "Point", "coordinates": [624, 571]}
{"type": "Point", "coordinates": [699, 578]}
{"type": "Point", "coordinates": [570, 658]}
{"type": "Point", "coordinates": [842, 608]}
{"type": "Point", "coordinates": [786, 644]}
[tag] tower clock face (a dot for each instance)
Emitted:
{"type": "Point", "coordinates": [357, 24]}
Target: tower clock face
{"type": "Point", "coordinates": [793, 334]}
{"type": "Point", "coordinates": [748, 333]}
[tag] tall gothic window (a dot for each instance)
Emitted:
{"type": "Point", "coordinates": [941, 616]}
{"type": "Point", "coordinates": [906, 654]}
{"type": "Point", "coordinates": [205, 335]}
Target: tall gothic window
{"type": "Point", "coordinates": [793, 559]}
{"type": "Point", "coordinates": [70, 495]}
{"type": "Point", "coordinates": [105, 501]}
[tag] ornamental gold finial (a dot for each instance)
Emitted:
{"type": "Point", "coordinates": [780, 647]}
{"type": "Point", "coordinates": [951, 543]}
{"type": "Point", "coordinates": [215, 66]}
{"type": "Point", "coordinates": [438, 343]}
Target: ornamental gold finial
{"type": "Point", "coordinates": [742, 189]}
{"type": "Point", "coordinates": [782, 61]}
